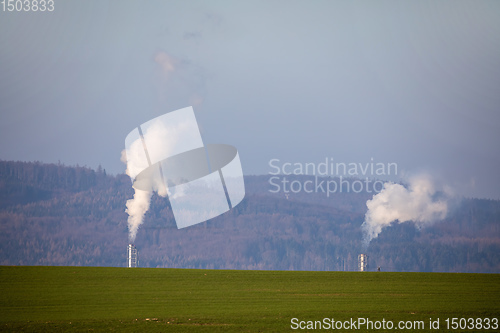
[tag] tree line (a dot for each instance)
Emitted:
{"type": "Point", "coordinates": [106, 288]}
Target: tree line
{"type": "Point", "coordinates": [52, 214]}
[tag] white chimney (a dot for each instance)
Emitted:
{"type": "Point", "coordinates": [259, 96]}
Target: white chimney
{"type": "Point", "coordinates": [132, 259]}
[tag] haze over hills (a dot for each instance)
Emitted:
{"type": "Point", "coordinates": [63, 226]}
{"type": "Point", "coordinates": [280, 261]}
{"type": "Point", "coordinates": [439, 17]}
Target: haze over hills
{"type": "Point", "coordinates": [58, 215]}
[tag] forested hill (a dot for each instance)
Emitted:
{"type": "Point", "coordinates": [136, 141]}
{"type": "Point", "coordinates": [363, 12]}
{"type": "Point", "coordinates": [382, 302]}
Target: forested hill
{"type": "Point", "coordinates": [58, 215]}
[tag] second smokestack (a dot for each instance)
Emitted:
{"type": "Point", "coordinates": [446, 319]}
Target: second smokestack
{"type": "Point", "coordinates": [132, 256]}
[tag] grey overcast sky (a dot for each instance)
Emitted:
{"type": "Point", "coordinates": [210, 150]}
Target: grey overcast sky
{"type": "Point", "coordinates": [416, 83]}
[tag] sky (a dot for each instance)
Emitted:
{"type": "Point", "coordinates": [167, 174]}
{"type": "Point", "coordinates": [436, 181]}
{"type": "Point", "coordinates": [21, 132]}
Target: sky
{"type": "Point", "coordinates": [415, 83]}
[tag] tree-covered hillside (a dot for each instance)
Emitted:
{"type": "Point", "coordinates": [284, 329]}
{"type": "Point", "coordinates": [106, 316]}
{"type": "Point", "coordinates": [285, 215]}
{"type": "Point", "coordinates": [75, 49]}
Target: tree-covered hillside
{"type": "Point", "coordinates": [58, 215]}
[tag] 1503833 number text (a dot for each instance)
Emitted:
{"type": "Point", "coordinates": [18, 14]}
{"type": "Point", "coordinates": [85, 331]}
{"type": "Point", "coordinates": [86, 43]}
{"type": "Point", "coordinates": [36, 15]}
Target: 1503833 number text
{"type": "Point", "coordinates": [27, 5]}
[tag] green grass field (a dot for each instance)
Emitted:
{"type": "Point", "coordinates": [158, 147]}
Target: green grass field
{"type": "Point", "coordinates": [81, 299]}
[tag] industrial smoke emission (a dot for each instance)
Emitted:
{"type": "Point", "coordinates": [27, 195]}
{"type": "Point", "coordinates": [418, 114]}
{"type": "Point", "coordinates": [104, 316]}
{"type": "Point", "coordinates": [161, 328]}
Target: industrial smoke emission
{"type": "Point", "coordinates": [420, 202]}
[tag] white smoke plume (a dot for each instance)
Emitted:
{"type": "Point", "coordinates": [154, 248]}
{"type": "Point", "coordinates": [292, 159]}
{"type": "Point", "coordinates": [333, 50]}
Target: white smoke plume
{"type": "Point", "coordinates": [162, 138]}
{"type": "Point", "coordinates": [136, 208]}
{"type": "Point", "coordinates": [420, 203]}
{"type": "Point", "coordinates": [139, 204]}
{"type": "Point", "coordinates": [133, 158]}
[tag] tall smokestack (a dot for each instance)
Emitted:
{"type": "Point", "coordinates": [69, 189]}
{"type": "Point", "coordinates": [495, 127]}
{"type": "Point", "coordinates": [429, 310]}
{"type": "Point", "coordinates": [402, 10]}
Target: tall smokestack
{"type": "Point", "coordinates": [362, 262]}
{"type": "Point", "coordinates": [132, 259]}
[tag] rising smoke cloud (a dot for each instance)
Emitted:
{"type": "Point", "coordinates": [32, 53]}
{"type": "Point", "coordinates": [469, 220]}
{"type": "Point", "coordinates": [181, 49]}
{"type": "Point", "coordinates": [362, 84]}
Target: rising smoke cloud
{"type": "Point", "coordinates": [162, 137]}
{"type": "Point", "coordinates": [136, 209]}
{"type": "Point", "coordinates": [420, 203]}
{"type": "Point", "coordinates": [139, 204]}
